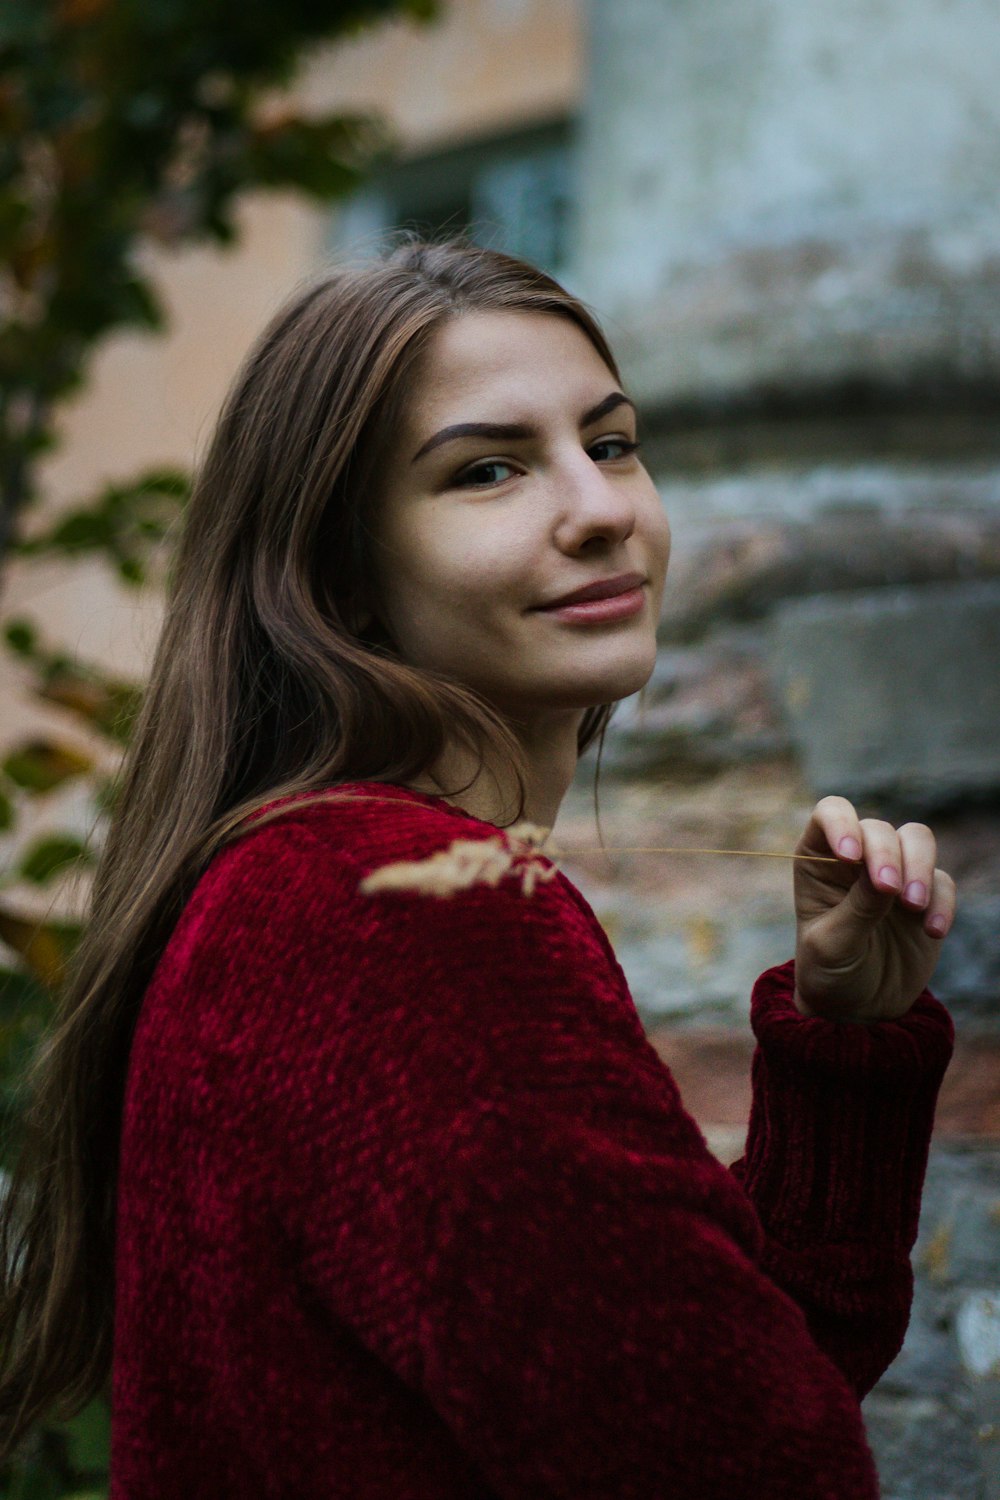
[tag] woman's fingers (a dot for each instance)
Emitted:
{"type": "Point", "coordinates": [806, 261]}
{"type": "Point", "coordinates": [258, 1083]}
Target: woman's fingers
{"type": "Point", "coordinates": [867, 927]}
{"type": "Point", "coordinates": [899, 862]}
{"type": "Point", "coordinates": [841, 827]}
{"type": "Point", "coordinates": [920, 885]}
{"type": "Point", "coordinates": [941, 907]}
{"type": "Point", "coordinates": [883, 855]}
{"type": "Point", "coordinates": [919, 851]}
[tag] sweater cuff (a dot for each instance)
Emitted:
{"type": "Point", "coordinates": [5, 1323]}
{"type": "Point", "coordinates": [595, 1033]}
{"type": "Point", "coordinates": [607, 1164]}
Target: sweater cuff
{"type": "Point", "coordinates": [841, 1119]}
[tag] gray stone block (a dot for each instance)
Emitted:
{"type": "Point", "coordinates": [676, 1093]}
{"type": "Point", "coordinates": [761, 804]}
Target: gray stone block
{"type": "Point", "coordinates": [923, 1449]}
{"type": "Point", "coordinates": [978, 1329]}
{"type": "Point", "coordinates": [974, 1258]}
{"type": "Point", "coordinates": [968, 971]}
{"type": "Point", "coordinates": [931, 1418]}
{"type": "Point", "coordinates": [893, 691]}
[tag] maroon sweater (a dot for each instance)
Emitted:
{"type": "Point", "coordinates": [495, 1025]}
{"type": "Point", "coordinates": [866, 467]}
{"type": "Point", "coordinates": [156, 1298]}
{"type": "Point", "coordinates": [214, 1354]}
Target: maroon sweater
{"type": "Point", "coordinates": [410, 1209]}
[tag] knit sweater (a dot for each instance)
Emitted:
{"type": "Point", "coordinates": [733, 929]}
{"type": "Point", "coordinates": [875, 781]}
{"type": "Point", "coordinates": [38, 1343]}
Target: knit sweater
{"type": "Point", "coordinates": [409, 1207]}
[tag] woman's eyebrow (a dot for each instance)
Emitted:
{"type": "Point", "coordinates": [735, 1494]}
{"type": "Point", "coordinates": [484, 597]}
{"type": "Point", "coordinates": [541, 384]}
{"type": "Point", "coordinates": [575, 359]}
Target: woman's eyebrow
{"type": "Point", "coordinates": [515, 431]}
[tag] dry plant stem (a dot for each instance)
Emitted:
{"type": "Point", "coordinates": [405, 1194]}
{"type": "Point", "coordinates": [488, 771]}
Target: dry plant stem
{"type": "Point", "coordinates": [536, 836]}
{"type": "Point", "coordinates": [823, 859]}
{"type": "Point", "coordinates": [516, 851]}
{"type": "Point", "coordinates": [466, 862]}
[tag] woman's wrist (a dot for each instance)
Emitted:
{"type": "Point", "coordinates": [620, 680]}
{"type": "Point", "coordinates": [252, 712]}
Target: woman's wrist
{"type": "Point", "coordinates": [854, 1018]}
{"type": "Point", "coordinates": [901, 1046]}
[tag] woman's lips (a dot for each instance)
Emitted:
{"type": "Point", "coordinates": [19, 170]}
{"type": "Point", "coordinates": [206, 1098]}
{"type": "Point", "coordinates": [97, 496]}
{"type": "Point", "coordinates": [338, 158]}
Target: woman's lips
{"type": "Point", "coordinates": [601, 588]}
{"type": "Point", "coordinates": [599, 611]}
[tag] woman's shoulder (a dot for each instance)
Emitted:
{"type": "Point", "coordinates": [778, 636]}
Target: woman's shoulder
{"type": "Point", "coordinates": [375, 882]}
{"type": "Point", "coordinates": [356, 901]}
{"type": "Point", "coordinates": [366, 824]}
{"type": "Point", "coordinates": [391, 847]}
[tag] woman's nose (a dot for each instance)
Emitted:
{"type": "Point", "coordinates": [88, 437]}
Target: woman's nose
{"type": "Point", "coordinates": [593, 502]}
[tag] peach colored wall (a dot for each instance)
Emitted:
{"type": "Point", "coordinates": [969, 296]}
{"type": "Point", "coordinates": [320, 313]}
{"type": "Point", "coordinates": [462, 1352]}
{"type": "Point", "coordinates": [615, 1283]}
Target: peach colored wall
{"type": "Point", "coordinates": [151, 400]}
{"type": "Point", "coordinates": [484, 65]}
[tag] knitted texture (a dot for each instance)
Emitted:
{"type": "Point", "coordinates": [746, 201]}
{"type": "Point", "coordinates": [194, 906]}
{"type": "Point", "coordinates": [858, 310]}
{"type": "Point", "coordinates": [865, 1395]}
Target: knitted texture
{"type": "Point", "coordinates": [409, 1206]}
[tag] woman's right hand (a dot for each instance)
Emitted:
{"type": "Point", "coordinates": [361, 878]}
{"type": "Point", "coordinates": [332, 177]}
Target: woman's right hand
{"type": "Point", "coordinates": [869, 928]}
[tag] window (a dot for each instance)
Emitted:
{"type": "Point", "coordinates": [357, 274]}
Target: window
{"type": "Point", "coordinates": [513, 193]}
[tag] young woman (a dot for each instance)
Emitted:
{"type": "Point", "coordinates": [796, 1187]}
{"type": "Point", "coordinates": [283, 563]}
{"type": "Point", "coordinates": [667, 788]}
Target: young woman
{"type": "Point", "coordinates": [356, 1192]}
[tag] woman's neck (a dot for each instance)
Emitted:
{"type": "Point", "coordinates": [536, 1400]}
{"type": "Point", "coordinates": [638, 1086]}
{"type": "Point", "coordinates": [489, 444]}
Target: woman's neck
{"type": "Point", "coordinates": [551, 756]}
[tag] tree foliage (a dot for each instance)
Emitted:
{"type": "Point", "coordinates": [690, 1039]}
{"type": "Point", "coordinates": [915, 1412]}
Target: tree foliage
{"type": "Point", "coordinates": [123, 123]}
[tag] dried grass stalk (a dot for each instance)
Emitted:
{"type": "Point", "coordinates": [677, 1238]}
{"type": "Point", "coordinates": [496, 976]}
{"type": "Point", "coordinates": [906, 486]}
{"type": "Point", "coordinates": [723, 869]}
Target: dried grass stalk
{"type": "Point", "coordinates": [465, 862]}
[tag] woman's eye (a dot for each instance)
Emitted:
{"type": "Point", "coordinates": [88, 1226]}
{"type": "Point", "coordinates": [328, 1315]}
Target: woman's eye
{"type": "Point", "coordinates": [621, 448]}
{"type": "Point", "coordinates": [495, 471]}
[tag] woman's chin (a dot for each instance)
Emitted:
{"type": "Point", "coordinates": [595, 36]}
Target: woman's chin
{"type": "Point", "coordinates": [626, 676]}
{"type": "Point", "coordinates": [595, 689]}
{"type": "Point", "coordinates": [573, 685]}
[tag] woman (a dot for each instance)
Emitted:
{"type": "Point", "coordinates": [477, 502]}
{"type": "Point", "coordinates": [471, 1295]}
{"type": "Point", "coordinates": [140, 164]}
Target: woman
{"type": "Point", "coordinates": [385, 1194]}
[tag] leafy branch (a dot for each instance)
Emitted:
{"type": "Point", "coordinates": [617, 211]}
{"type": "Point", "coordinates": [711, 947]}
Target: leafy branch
{"type": "Point", "coordinates": [123, 124]}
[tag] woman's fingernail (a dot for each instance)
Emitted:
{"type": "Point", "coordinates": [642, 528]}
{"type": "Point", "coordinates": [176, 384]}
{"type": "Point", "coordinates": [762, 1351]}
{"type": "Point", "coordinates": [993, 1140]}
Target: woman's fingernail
{"type": "Point", "coordinates": [849, 848]}
{"type": "Point", "coordinates": [916, 893]}
{"type": "Point", "coordinates": [888, 876]}
{"type": "Point", "coordinates": [937, 925]}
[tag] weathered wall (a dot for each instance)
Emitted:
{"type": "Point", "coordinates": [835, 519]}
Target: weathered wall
{"type": "Point", "coordinates": [789, 218]}
{"type": "Point", "coordinates": [805, 189]}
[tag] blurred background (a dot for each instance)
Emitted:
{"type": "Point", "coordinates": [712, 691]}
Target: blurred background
{"type": "Point", "coordinates": [788, 219]}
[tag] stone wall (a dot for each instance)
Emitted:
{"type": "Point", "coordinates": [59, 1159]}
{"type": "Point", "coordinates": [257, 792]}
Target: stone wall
{"type": "Point", "coordinates": [790, 221]}
{"type": "Point", "coordinates": [788, 190]}
{"type": "Point", "coordinates": [692, 933]}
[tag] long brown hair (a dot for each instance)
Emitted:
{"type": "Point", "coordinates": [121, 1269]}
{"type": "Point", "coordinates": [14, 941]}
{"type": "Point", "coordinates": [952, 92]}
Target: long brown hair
{"type": "Point", "coordinates": [262, 687]}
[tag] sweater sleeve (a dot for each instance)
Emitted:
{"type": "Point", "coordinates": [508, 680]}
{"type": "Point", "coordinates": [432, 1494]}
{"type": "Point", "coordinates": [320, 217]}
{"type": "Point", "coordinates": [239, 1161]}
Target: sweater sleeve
{"type": "Point", "coordinates": [835, 1158]}
{"type": "Point", "coordinates": [488, 1175]}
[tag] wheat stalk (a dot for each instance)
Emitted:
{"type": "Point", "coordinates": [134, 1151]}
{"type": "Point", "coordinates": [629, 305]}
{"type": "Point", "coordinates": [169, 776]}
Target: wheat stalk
{"type": "Point", "coordinates": [514, 851]}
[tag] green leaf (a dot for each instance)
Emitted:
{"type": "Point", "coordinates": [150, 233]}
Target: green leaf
{"type": "Point", "coordinates": [50, 856]}
{"type": "Point", "coordinates": [6, 812]}
{"type": "Point", "coordinates": [21, 994]}
{"type": "Point", "coordinates": [108, 705]}
{"type": "Point", "coordinates": [21, 636]}
{"type": "Point", "coordinates": [41, 765]}
{"type": "Point", "coordinates": [88, 1437]}
{"type": "Point", "coordinates": [138, 305]}
{"type": "Point", "coordinates": [323, 157]}
{"type": "Point", "coordinates": [80, 531]}
{"type": "Point", "coordinates": [26, 1010]}
{"type": "Point", "coordinates": [15, 217]}
{"type": "Point", "coordinates": [122, 709]}
{"type": "Point", "coordinates": [124, 520]}
{"type": "Point", "coordinates": [45, 947]}
{"type": "Point", "coordinates": [33, 1478]}
{"type": "Point", "coordinates": [22, 23]}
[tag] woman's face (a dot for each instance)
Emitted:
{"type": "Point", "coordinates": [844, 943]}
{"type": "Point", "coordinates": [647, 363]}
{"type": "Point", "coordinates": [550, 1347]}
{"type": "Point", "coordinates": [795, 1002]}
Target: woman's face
{"type": "Point", "coordinates": [511, 483]}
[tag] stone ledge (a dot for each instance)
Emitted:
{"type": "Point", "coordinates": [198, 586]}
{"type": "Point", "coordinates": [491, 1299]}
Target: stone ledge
{"type": "Point", "coordinates": [877, 309]}
{"type": "Point", "coordinates": [893, 691]}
